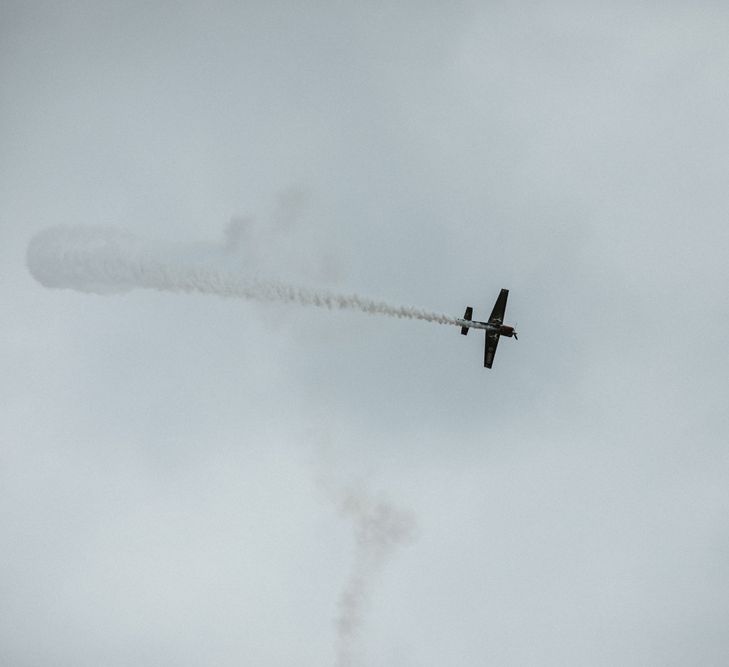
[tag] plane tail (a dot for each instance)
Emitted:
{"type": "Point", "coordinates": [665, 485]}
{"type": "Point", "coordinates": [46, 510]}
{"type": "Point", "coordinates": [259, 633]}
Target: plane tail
{"type": "Point", "coordinates": [468, 316]}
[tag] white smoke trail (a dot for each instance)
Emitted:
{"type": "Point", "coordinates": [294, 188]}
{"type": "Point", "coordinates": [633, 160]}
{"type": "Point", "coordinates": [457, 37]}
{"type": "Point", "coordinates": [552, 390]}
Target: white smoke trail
{"type": "Point", "coordinates": [379, 529]}
{"type": "Point", "coordinates": [93, 259]}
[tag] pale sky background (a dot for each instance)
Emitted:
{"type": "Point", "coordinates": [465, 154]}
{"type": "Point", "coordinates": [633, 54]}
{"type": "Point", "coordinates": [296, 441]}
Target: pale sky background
{"type": "Point", "coordinates": [167, 462]}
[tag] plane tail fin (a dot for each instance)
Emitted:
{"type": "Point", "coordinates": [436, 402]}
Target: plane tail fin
{"type": "Point", "coordinates": [468, 316]}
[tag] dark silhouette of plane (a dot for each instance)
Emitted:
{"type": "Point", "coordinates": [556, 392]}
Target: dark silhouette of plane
{"type": "Point", "coordinates": [495, 327]}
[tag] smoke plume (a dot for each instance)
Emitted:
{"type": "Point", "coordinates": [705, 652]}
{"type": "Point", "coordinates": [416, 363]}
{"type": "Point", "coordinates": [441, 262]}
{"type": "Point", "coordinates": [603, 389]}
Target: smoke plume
{"type": "Point", "coordinates": [93, 259]}
{"type": "Point", "coordinates": [379, 528]}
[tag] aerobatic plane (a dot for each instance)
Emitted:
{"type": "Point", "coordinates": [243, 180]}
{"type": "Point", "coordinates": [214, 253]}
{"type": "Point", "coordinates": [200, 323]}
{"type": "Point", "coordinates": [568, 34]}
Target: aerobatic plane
{"type": "Point", "coordinates": [495, 327]}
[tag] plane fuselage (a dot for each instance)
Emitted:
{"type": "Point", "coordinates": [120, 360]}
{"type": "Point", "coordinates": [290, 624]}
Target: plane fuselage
{"type": "Point", "coordinates": [500, 329]}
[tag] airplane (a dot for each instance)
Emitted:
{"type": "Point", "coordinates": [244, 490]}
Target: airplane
{"type": "Point", "coordinates": [495, 328]}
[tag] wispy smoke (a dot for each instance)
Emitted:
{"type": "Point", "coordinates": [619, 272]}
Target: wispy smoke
{"type": "Point", "coordinates": [92, 259]}
{"type": "Point", "coordinates": [379, 528]}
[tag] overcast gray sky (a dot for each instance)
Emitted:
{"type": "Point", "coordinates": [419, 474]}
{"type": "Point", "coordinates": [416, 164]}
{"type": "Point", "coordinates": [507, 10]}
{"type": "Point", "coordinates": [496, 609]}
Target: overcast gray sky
{"type": "Point", "coordinates": [189, 480]}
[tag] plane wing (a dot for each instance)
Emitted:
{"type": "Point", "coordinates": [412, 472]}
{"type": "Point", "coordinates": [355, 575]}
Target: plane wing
{"type": "Point", "coordinates": [497, 314]}
{"type": "Point", "coordinates": [492, 340]}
